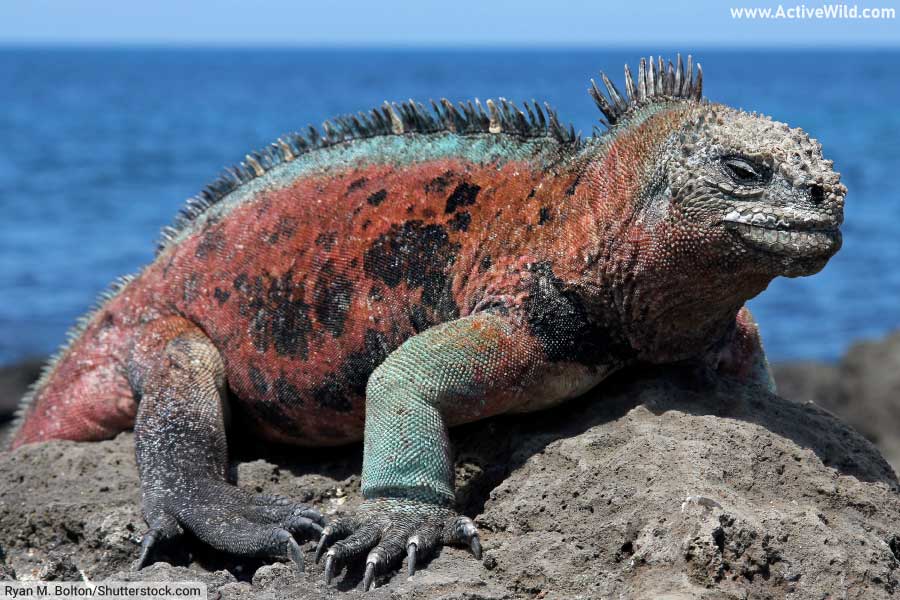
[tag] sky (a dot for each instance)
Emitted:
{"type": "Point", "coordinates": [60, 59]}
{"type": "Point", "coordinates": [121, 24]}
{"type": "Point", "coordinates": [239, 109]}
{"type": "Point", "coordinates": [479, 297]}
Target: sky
{"type": "Point", "coordinates": [432, 23]}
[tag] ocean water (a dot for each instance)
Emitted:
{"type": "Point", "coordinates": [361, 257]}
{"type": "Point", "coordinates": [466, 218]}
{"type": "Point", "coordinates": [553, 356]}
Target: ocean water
{"type": "Point", "coordinates": [100, 147]}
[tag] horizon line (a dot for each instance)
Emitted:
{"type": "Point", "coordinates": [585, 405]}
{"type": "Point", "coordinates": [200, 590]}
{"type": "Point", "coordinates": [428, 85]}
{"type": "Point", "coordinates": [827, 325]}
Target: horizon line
{"type": "Point", "coordinates": [537, 46]}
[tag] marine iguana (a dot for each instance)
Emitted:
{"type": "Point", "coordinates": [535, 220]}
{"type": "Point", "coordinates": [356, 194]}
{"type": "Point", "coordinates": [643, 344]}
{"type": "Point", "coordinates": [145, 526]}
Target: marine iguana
{"type": "Point", "coordinates": [407, 270]}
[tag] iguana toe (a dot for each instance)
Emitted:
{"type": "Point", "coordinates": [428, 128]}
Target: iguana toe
{"type": "Point", "coordinates": [162, 527]}
{"type": "Point", "coordinates": [462, 530]}
{"type": "Point", "coordinates": [296, 518]}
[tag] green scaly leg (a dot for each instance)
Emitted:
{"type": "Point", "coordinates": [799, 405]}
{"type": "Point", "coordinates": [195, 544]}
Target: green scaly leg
{"type": "Point", "coordinates": [456, 372]}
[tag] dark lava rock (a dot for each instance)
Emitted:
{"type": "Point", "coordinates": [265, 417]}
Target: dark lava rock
{"type": "Point", "coordinates": [658, 485]}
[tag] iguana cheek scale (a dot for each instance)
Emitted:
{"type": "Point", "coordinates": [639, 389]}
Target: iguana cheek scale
{"type": "Point", "coordinates": [406, 271]}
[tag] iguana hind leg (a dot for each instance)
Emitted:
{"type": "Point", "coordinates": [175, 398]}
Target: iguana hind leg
{"type": "Point", "coordinates": [460, 371]}
{"type": "Point", "coordinates": [182, 453]}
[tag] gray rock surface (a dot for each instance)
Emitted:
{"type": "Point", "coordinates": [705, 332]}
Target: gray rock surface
{"type": "Point", "coordinates": [660, 485]}
{"type": "Point", "coordinates": [863, 388]}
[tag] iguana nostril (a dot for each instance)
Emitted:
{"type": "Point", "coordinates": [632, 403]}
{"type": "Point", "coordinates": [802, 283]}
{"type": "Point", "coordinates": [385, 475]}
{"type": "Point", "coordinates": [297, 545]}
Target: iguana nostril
{"type": "Point", "coordinates": [816, 194]}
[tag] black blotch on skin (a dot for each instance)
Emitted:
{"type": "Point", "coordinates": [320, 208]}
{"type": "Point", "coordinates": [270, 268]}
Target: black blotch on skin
{"type": "Point", "coordinates": [460, 221]}
{"type": "Point", "coordinates": [356, 184]}
{"type": "Point", "coordinates": [284, 230]}
{"type": "Point", "coordinates": [270, 414]}
{"type": "Point", "coordinates": [419, 318]}
{"type": "Point", "coordinates": [290, 322]}
{"type": "Point", "coordinates": [258, 381]}
{"type": "Point", "coordinates": [464, 195]}
{"type": "Point", "coordinates": [377, 198]}
{"type": "Point", "coordinates": [376, 293]}
{"type": "Point", "coordinates": [531, 193]}
{"type": "Point", "coordinates": [439, 184]}
{"type": "Point", "coordinates": [420, 256]}
{"type": "Point", "coordinates": [330, 395]}
{"type": "Point", "coordinates": [326, 240]}
{"type": "Point", "coordinates": [108, 321]}
{"type": "Point", "coordinates": [221, 295]}
{"type": "Point", "coordinates": [558, 318]}
{"type": "Point", "coordinates": [544, 215]}
{"type": "Point", "coordinates": [571, 189]}
{"type": "Point", "coordinates": [286, 393]}
{"type": "Point", "coordinates": [331, 432]}
{"type": "Point", "coordinates": [277, 313]}
{"type": "Point", "coordinates": [349, 380]}
{"type": "Point", "coordinates": [211, 240]}
{"type": "Point", "coordinates": [485, 263]}
{"type": "Point", "coordinates": [331, 298]}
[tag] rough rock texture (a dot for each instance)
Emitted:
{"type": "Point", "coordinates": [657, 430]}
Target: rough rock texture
{"type": "Point", "coordinates": [662, 485]}
{"type": "Point", "coordinates": [863, 389]}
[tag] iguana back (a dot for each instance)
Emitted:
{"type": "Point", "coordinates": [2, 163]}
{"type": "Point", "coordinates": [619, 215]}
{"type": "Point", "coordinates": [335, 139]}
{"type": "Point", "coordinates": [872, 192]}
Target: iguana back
{"type": "Point", "coordinates": [312, 261]}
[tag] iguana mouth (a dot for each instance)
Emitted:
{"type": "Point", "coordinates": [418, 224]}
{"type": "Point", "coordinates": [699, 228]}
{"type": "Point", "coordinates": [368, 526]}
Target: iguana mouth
{"type": "Point", "coordinates": [792, 233]}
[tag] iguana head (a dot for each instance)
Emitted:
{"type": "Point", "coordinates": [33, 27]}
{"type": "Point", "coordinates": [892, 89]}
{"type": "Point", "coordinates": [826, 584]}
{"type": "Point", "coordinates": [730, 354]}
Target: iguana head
{"type": "Point", "coordinates": [733, 190]}
{"type": "Point", "coordinates": [763, 188]}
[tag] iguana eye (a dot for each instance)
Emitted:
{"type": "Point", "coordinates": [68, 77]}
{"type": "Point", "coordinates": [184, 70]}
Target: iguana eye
{"type": "Point", "coordinates": [745, 171]}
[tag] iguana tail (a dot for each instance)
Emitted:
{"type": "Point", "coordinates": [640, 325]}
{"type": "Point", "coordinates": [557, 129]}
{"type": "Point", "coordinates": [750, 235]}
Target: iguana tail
{"type": "Point", "coordinates": [83, 392]}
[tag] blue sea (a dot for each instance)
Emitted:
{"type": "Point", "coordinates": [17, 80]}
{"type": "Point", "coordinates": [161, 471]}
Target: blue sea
{"type": "Point", "coordinates": [100, 147]}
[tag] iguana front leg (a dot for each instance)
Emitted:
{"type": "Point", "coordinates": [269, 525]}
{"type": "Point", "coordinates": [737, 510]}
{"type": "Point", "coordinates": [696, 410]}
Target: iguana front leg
{"type": "Point", "coordinates": [743, 356]}
{"type": "Point", "coordinates": [182, 453]}
{"type": "Point", "coordinates": [460, 371]}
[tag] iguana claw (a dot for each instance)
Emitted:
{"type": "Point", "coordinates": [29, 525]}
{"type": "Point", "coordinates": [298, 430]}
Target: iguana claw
{"type": "Point", "coordinates": [296, 554]}
{"type": "Point", "coordinates": [147, 543]}
{"type": "Point", "coordinates": [368, 578]}
{"type": "Point", "coordinates": [411, 550]}
{"type": "Point", "coordinates": [384, 528]}
{"type": "Point", "coordinates": [329, 568]}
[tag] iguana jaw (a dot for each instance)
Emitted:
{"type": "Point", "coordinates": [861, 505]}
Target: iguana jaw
{"type": "Point", "coordinates": [789, 232]}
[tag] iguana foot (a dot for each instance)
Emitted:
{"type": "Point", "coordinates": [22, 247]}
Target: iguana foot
{"type": "Point", "coordinates": [233, 520]}
{"type": "Point", "coordinates": [387, 529]}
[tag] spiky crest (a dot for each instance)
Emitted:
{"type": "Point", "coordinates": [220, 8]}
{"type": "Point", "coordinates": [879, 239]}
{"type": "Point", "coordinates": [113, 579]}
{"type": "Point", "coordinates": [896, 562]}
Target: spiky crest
{"type": "Point", "coordinates": [656, 82]}
{"type": "Point", "coordinates": [465, 118]}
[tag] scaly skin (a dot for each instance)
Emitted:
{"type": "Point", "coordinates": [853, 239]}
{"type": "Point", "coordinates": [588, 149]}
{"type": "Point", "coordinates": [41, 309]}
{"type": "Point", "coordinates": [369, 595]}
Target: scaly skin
{"type": "Point", "coordinates": [428, 274]}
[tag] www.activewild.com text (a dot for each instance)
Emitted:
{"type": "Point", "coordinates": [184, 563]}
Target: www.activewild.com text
{"type": "Point", "coordinates": [826, 11]}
